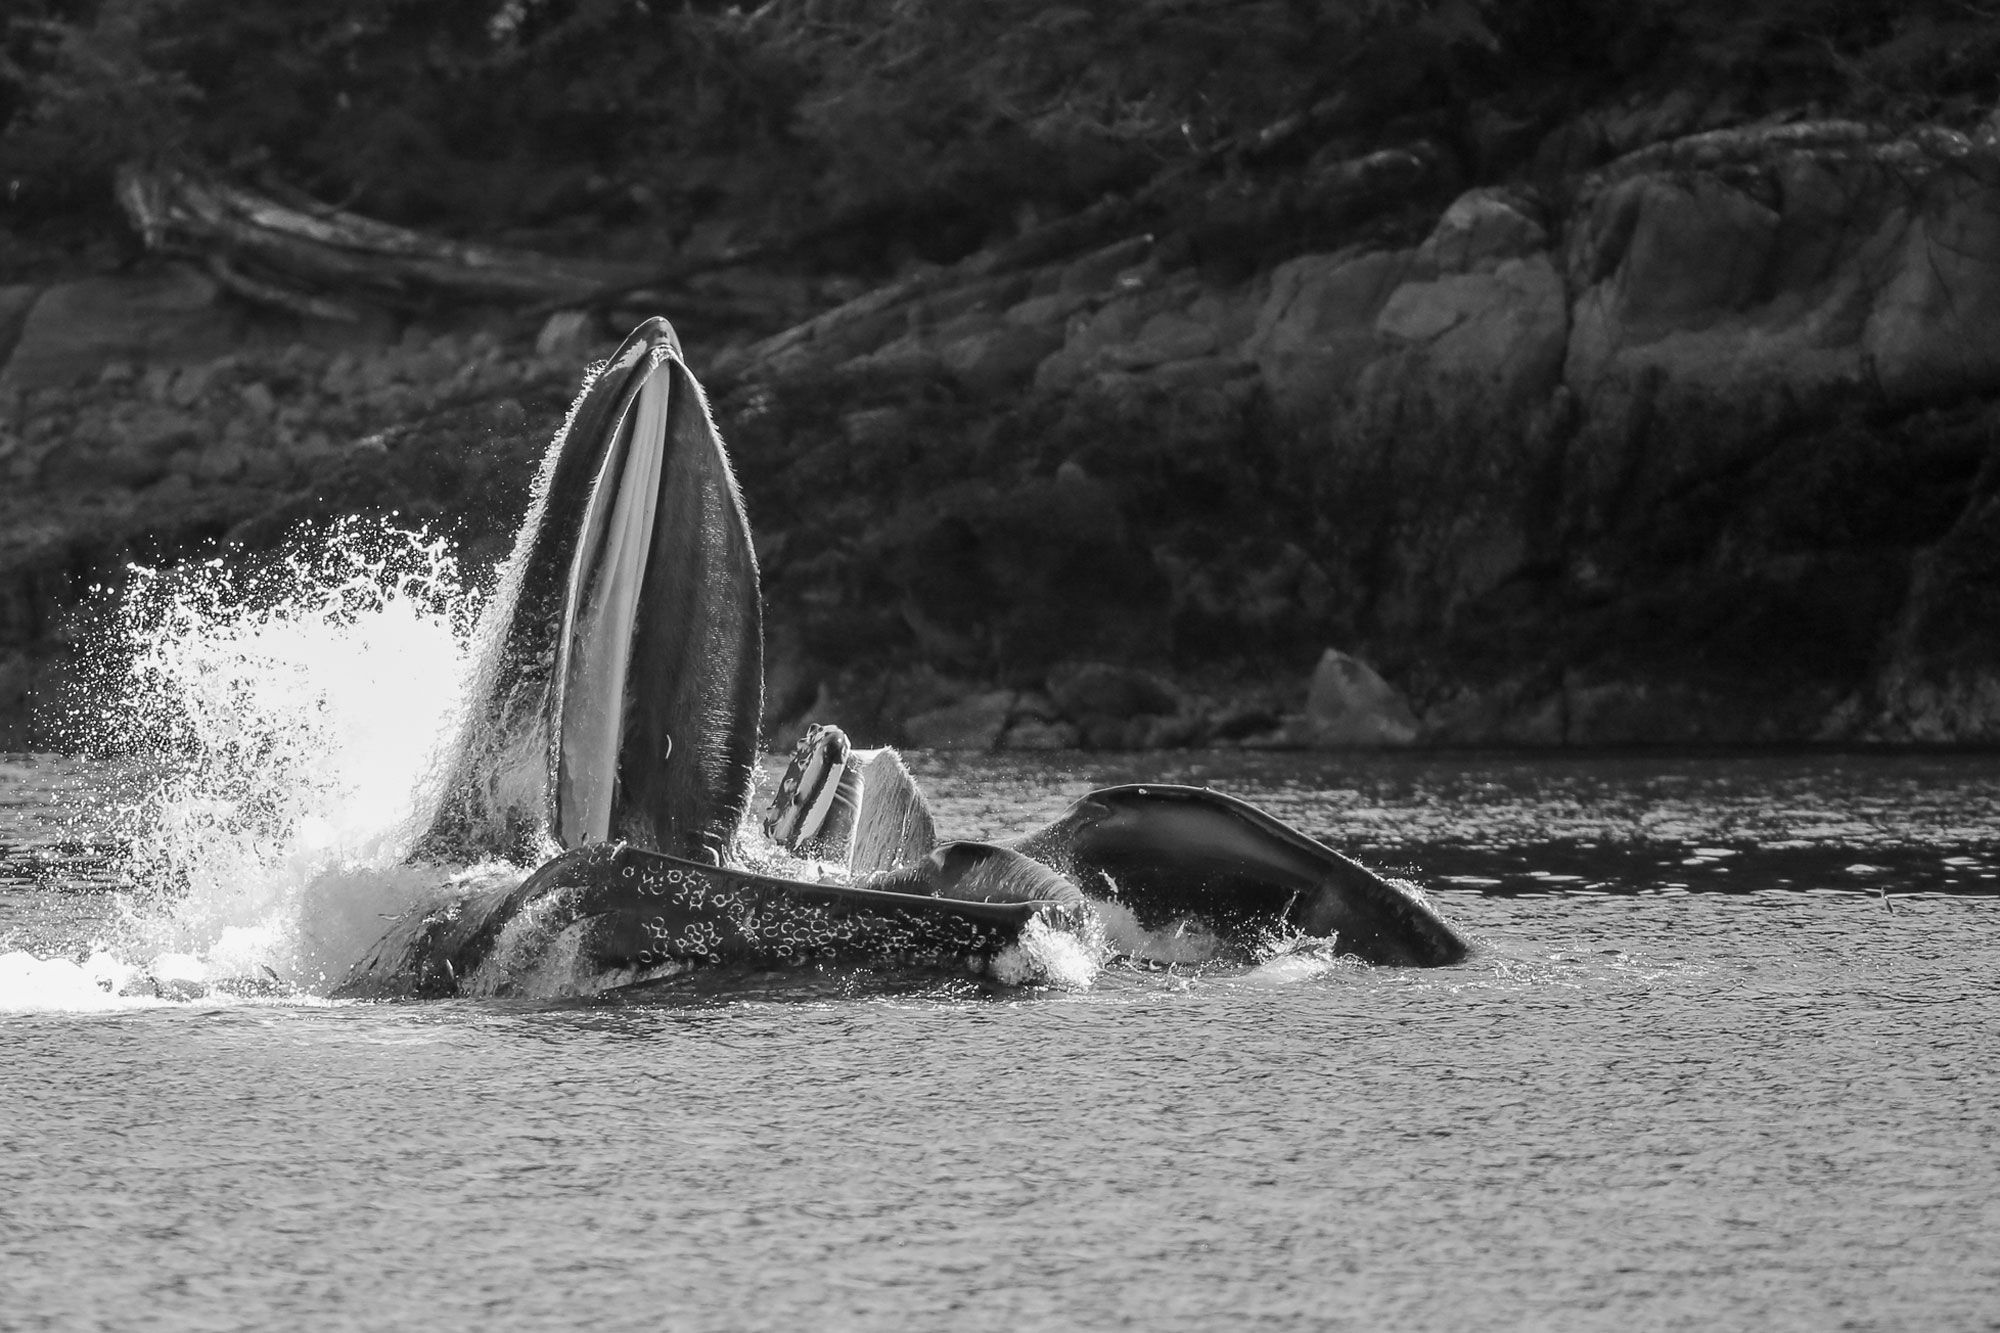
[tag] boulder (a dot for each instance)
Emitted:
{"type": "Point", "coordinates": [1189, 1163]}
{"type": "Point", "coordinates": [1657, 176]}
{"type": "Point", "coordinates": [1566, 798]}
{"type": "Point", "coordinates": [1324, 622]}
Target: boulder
{"type": "Point", "coordinates": [1100, 268]}
{"type": "Point", "coordinates": [131, 450]}
{"type": "Point", "coordinates": [1085, 690]}
{"type": "Point", "coordinates": [1723, 301]}
{"type": "Point", "coordinates": [1481, 230]}
{"type": "Point", "coordinates": [1167, 336]}
{"type": "Point", "coordinates": [1522, 712]}
{"type": "Point", "coordinates": [1349, 704]}
{"type": "Point", "coordinates": [1000, 358]}
{"type": "Point", "coordinates": [1479, 344]}
{"type": "Point", "coordinates": [1797, 275]}
{"type": "Point", "coordinates": [1050, 311]}
{"type": "Point", "coordinates": [1316, 329]}
{"type": "Point", "coordinates": [1934, 325]}
{"type": "Point", "coordinates": [1097, 340]}
{"type": "Point", "coordinates": [1239, 720]}
{"type": "Point", "coordinates": [912, 355]}
{"type": "Point", "coordinates": [1941, 682]}
{"type": "Point", "coordinates": [74, 329]}
{"type": "Point", "coordinates": [258, 400]}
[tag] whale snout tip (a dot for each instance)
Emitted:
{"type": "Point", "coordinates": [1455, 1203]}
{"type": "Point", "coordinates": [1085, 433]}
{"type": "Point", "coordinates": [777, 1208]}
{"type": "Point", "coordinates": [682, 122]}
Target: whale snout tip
{"type": "Point", "coordinates": [657, 332]}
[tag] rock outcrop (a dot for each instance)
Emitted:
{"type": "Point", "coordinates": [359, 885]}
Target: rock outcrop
{"type": "Point", "coordinates": [1688, 451]}
{"type": "Point", "coordinates": [145, 421]}
{"type": "Point", "coordinates": [1695, 447]}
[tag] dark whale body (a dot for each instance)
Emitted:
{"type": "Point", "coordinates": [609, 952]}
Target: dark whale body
{"type": "Point", "coordinates": [613, 722]}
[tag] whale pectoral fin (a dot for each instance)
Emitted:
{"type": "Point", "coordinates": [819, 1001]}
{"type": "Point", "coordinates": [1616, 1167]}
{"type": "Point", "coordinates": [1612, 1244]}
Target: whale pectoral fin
{"type": "Point", "coordinates": [1169, 851]}
{"type": "Point", "coordinates": [812, 812]}
{"type": "Point", "coordinates": [653, 712]}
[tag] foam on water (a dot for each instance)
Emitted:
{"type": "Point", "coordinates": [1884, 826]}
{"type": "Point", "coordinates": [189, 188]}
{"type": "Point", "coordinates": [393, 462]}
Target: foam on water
{"type": "Point", "coordinates": [101, 981]}
{"type": "Point", "coordinates": [1182, 943]}
{"type": "Point", "coordinates": [1050, 955]}
{"type": "Point", "coordinates": [294, 721]}
{"type": "Point", "coordinates": [293, 718]}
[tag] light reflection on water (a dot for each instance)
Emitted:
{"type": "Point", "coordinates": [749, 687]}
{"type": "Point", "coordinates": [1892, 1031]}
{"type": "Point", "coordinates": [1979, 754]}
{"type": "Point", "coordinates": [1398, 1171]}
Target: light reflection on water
{"type": "Point", "coordinates": [1496, 799]}
{"type": "Point", "coordinates": [1762, 1106]}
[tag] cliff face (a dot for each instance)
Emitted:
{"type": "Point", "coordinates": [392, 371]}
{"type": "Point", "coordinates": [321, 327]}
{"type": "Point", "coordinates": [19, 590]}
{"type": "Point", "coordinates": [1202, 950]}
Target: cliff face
{"type": "Point", "coordinates": [1697, 447]}
{"type": "Point", "coordinates": [1700, 451]}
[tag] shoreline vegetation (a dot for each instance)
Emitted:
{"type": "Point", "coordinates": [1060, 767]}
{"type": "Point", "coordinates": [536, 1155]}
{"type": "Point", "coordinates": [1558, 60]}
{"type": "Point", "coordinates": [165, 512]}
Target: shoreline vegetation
{"type": "Point", "coordinates": [1140, 375]}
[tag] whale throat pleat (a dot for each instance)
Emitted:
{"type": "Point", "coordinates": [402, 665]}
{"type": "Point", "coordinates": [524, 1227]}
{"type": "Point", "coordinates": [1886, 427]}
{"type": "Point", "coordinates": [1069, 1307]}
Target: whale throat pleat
{"type": "Point", "coordinates": [698, 674]}
{"type": "Point", "coordinates": [604, 604]}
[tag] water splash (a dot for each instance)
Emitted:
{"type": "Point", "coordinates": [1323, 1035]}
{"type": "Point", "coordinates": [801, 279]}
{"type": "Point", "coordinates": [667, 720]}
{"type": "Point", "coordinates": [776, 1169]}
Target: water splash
{"type": "Point", "coordinates": [1050, 955]}
{"type": "Point", "coordinates": [101, 981]}
{"type": "Point", "coordinates": [294, 724]}
{"type": "Point", "coordinates": [1184, 942]}
{"type": "Point", "coordinates": [1287, 956]}
{"type": "Point", "coordinates": [294, 715]}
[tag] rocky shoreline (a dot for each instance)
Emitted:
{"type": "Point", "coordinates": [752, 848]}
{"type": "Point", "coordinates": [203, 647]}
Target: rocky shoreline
{"type": "Point", "coordinates": [1702, 446]}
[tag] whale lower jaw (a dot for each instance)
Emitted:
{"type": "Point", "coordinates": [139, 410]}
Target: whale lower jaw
{"type": "Point", "coordinates": [606, 911]}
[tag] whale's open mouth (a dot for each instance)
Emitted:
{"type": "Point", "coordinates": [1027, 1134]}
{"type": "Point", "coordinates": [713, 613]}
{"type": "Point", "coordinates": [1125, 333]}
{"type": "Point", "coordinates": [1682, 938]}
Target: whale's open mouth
{"type": "Point", "coordinates": [653, 703]}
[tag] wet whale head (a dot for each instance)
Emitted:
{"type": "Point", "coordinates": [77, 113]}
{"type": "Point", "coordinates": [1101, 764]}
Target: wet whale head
{"type": "Point", "coordinates": [619, 675]}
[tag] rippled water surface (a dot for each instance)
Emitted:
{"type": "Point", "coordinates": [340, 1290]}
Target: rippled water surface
{"type": "Point", "coordinates": [1726, 1058]}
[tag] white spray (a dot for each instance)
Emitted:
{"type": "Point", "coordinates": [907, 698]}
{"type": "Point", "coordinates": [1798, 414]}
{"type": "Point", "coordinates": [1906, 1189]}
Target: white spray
{"type": "Point", "coordinates": [297, 718]}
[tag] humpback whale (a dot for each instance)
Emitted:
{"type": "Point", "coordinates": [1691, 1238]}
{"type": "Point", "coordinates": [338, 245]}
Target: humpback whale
{"type": "Point", "coordinates": [611, 735]}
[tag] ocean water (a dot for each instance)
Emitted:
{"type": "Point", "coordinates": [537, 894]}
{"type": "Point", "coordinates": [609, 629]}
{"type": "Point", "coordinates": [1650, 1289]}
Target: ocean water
{"type": "Point", "coordinates": [1724, 1055]}
{"type": "Point", "coordinates": [1727, 1056]}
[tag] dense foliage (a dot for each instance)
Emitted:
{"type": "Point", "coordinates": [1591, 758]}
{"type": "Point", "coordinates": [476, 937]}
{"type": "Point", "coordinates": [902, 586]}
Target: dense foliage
{"type": "Point", "coordinates": [883, 128]}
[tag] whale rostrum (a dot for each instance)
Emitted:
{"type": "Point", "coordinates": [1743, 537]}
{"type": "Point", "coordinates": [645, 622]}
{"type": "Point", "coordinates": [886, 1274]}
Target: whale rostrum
{"type": "Point", "coordinates": [611, 733]}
